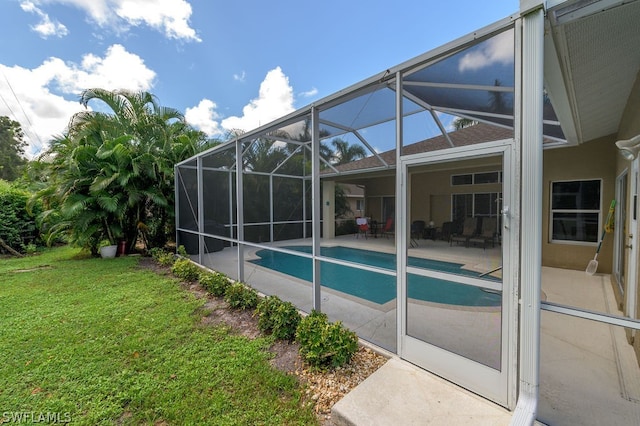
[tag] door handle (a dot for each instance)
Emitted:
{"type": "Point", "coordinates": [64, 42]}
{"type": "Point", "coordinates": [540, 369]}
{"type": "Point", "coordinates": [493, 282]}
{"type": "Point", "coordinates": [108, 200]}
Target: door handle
{"type": "Point", "coordinates": [505, 217]}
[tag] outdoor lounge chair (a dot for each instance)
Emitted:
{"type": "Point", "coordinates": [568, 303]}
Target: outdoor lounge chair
{"type": "Point", "coordinates": [487, 234]}
{"type": "Point", "coordinates": [447, 230]}
{"type": "Point", "coordinates": [469, 229]}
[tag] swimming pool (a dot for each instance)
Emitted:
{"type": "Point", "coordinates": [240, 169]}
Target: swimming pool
{"type": "Point", "coordinates": [376, 287]}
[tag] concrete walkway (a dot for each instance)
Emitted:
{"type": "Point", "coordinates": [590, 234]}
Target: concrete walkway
{"type": "Point", "coordinates": [400, 393]}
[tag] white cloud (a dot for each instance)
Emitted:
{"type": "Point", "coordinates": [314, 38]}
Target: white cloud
{"type": "Point", "coordinates": [239, 77]}
{"type": "Point", "coordinates": [170, 17]}
{"type": "Point", "coordinates": [46, 27]}
{"type": "Point", "coordinates": [274, 100]}
{"type": "Point", "coordinates": [41, 104]}
{"type": "Point", "coordinates": [498, 49]}
{"type": "Point", "coordinates": [309, 93]}
{"type": "Point", "coordinates": [203, 117]}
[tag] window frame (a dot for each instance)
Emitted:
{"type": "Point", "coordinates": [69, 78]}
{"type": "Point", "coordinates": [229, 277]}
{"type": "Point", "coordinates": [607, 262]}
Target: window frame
{"type": "Point", "coordinates": [551, 240]}
{"type": "Point", "coordinates": [496, 195]}
{"type": "Point", "coordinates": [473, 179]}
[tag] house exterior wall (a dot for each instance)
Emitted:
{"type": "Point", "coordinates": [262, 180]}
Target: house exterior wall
{"type": "Point", "coordinates": [592, 160]}
{"type": "Point", "coordinates": [377, 189]}
{"type": "Point", "coordinates": [431, 195]}
{"type": "Point", "coordinates": [597, 159]}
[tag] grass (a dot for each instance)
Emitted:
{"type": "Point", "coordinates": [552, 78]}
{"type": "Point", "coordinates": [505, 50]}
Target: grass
{"type": "Point", "coordinates": [99, 341]}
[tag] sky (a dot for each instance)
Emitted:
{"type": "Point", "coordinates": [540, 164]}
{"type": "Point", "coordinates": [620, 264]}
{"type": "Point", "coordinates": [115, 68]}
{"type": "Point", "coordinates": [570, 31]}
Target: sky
{"type": "Point", "coordinates": [224, 65]}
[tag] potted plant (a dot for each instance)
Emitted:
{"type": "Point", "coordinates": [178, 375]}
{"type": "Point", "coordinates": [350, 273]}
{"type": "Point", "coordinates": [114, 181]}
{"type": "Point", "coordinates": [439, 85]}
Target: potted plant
{"type": "Point", "coordinates": [107, 249]}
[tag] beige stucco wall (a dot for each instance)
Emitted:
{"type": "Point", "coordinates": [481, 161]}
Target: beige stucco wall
{"type": "Point", "coordinates": [377, 189]}
{"type": "Point", "coordinates": [431, 191]}
{"type": "Point", "coordinates": [592, 160]}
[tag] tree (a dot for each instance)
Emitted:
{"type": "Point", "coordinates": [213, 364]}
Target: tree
{"type": "Point", "coordinates": [111, 175]}
{"type": "Point", "coordinates": [345, 153]}
{"type": "Point", "coordinates": [12, 147]}
{"type": "Point", "coordinates": [462, 122]}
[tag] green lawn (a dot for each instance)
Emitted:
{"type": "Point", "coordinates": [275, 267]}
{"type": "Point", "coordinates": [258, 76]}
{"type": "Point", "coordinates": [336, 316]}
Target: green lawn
{"type": "Point", "coordinates": [100, 341]}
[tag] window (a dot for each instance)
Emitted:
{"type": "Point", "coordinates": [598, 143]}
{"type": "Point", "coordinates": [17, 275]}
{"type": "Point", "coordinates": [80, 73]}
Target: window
{"type": "Point", "coordinates": [360, 205]}
{"type": "Point", "coordinates": [487, 205]}
{"type": "Point", "coordinates": [575, 211]}
{"type": "Point", "coordinates": [476, 178]}
{"type": "Point", "coordinates": [489, 177]}
{"type": "Point", "coordinates": [461, 179]}
{"type": "Point", "coordinates": [475, 205]}
{"type": "Point", "coordinates": [461, 206]}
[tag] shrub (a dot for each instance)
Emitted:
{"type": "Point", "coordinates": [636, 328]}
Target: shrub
{"type": "Point", "coordinates": [185, 270]}
{"type": "Point", "coordinates": [17, 226]}
{"type": "Point", "coordinates": [239, 296]}
{"type": "Point", "coordinates": [279, 318]}
{"type": "Point", "coordinates": [215, 283]}
{"type": "Point", "coordinates": [182, 251]}
{"type": "Point", "coordinates": [30, 248]}
{"type": "Point", "coordinates": [324, 344]}
{"type": "Point", "coordinates": [162, 256]}
{"type": "Point", "coordinates": [346, 227]}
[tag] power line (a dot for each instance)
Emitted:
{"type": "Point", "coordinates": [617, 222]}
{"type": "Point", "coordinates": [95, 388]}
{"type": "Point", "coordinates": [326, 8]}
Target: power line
{"type": "Point", "coordinates": [33, 135]}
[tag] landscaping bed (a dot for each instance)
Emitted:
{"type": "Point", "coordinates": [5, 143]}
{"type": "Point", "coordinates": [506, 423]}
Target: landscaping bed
{"type": "Point", "coordinates": [323, 387]}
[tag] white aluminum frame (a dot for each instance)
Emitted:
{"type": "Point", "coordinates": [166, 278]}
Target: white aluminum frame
{"type": "Point", "coordinates": [488, 382]}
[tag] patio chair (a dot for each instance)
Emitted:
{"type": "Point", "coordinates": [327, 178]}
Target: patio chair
{"type": "Point", "coordinates": [487, 234]}
{"type": "Point", "coordinates": [388, 227]}
{"type": "Point", "coordinates": [469, 229]}
{"type": "Point", "coordinates": [363, 226]}
{"type": "Point", "coordinates": [417, 229]}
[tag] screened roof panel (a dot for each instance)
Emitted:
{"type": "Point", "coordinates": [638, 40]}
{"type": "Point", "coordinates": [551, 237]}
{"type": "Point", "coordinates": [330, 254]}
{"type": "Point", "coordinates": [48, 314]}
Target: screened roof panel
{"type": "Point", "coordinates": [299, 130]}
{"type": "Point", "coordinates": [481, 64]}
{"type": "Point", "coordinates": [223, 158]}
{"type": "Point", "coordinates": [473, 77]}
{"type": "Point", "coordinates": [327, 130]}
{"type": "Point", "coordinates": [495, 102]}
{"type": "Point", "coordinates": [367, 110]}
{"type": "Point", "coordinates": [423, 125]}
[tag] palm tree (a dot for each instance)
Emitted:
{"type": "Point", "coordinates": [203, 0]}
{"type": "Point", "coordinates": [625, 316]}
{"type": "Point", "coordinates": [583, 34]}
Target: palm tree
{"type": "Point", "coordinates": [112, 174]}
{"type": "Point", "coordinates": [345, 153]}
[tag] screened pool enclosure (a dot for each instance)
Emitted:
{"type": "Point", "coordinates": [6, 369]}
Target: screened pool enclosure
{"type": "Point", "coordinates": [274, 191]}
{"type": "Point", "coordinates": [441, 262]}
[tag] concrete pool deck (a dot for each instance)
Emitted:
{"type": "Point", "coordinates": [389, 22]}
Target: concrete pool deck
{"type": "Point", "coordinates": [589, 373]}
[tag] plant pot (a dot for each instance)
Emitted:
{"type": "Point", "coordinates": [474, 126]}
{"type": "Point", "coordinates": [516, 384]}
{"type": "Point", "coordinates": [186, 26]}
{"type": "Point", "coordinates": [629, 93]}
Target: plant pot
{"type": "Point", "coordinates": [108, 251]}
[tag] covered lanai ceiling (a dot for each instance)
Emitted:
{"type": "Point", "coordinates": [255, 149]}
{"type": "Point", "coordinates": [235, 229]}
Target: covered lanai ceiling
{"type": "Point", "coordinates": [592, 60]}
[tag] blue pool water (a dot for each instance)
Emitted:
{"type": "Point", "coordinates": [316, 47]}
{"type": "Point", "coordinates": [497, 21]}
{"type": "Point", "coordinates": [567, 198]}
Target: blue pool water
{"type": "Point", "coordinates": [375, 287]}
